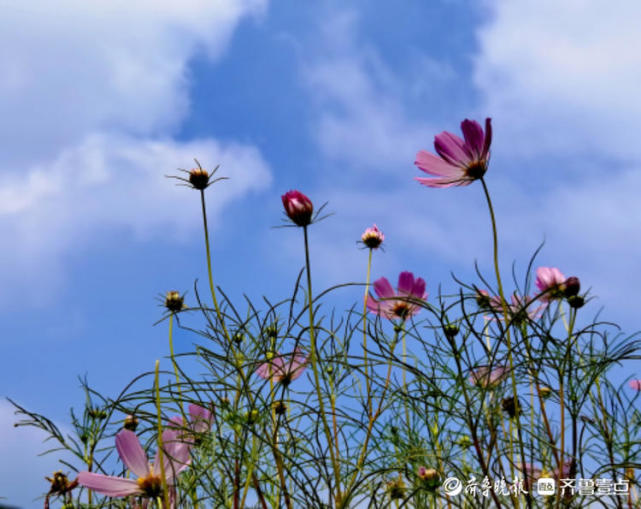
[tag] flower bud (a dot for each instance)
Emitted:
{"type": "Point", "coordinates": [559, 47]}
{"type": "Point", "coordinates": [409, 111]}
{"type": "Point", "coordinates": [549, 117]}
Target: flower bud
{"type": "Point", "coordinates": [464, 441]}
{"type": "Point", "coordinates": [174, 302]}
{"type": "Point", "coordinates": [396, 489]}
{"type": "Point", "coordinates": [483, 299]}
{"type": "Point", "coordinates": [280, 407]}
{"type": "Point", "coordinates": [430, 477]}
{"type": "Point", "coordinates": [545, 392]}
{"type": "Point", "coordinates": [199, 178]}
{"type": "Point", "coordinates": [511, 406]}
{"type": "Point", "coordinates": [131, 423]}
{"type": "Point", "coordinates": [372, 237]}
{"type": "Point", "coordinates": [576, 301]}
{"type": "Point", "coordinates": [298, 207]}
{"type": "Point", "coordinates": [451, 330]}
{"type": "Point", "coordinates": [572, 286]}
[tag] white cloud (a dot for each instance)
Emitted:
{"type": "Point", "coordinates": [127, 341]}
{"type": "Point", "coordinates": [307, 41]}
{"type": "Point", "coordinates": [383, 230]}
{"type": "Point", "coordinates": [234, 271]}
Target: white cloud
{"type": "Point", "coordinates": [24, 472]}
{"type": "Point", "coordinates": [111, 181]}
{"type": "Point", "coordinates": [71, 67]}
{"type": "Point", "coordinates": [91, 94]}
{"type": "Point", "coordinates": [361, 117]}
{"type": "Point", "coordinates": [564, 76]}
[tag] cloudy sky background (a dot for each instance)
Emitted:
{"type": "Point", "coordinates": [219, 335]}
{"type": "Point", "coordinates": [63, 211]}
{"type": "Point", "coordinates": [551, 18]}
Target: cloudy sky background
{"type": "Point", "coordinates": [100, 100]}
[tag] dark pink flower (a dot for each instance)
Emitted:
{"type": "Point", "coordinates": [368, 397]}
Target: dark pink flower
{"type": "Point", "coordinates": [372, 237]}
{"type": "Point", "coordinates": [487, 378]}
{"type": "Point", "coordinates": [635, 384]}
{"type": "Point", "coordinates": [280, 369]}
{"type": "Point", "coordinates": [149, 483]}
{"type": "Point", "coordinates": [461, 162]}
{"type": "Point", "coordinates": [299, 208]}
{"type": "Point", "coordinates": [400, 304]}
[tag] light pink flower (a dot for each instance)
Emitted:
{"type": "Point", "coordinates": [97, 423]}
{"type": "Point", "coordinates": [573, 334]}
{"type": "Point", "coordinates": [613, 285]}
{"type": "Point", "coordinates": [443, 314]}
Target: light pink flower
{"type": "Point", "coordinates": [149, 483]}
{"type": "Point", "coordinates": [281, 370]}
{"type": "Point", "coordinates": [400, 304]}
{"type": "Point", "coordinates": [200, 421]}
{"type": "Point", "coordinates": [461, 162]}
{"type": "Point", "coordinates": [535, 473]}
{"type": "Point", "coordinates": [635, 384]}
{"type": "Point", "coordinates": [299, 208]}
{"type": "Point", "coordinates": [483, 377]}
{"type": "Point", "coordinates": [372, 237]}
{"type": "Point", "coordinates": [551, 282]}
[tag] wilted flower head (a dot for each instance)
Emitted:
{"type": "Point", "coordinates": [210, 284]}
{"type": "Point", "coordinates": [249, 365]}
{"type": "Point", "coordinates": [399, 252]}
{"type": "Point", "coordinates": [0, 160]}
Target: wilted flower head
{"type": "Point", "coordinates": [400, 304]}
{"type": "Point", "coordinates": [299, 208]}
{"type": "Point", "coordinates": [372, 237]}
{"type": "Point", "coordinates": [550, 281]}
{"type": "Point", "coordinates": [175, 459]}
{"type": "Point", "coordinates": [280, 369]}
{"type": "Point", "coordinates": [460, 162]}
{"type": "Point", "coordinates": [487, 378]}
{"type": "Point", "coordinates": [635, 384]}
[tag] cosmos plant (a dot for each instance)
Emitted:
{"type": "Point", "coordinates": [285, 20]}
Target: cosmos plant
{"type": "Point", "coordinates": [460, 398]}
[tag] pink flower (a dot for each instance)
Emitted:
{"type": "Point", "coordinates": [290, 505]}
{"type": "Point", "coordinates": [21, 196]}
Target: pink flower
{"type": "Point", "coordinates": [535, 473]}
{"type": "Point", "coordinates": [483, 377]}
{"type": "Point", "coordinates": [372, 237]}
{"type": "Point", "coordinates": [460, 162]}
{"type": "Point", "coordinates": [550, 281]}
{"type": "Point", "coordinates": [200, 421]}
{"type": "Point", "coordinates": [299, 208]}
{"type": "Point", "coordinates": [635, 384]}
{"type": "Point", "coordinates": [400, 304]}
{"type": "Point", "coordinates": [284, 371]}
{"type": "Point", "coordinates": [149, 483]}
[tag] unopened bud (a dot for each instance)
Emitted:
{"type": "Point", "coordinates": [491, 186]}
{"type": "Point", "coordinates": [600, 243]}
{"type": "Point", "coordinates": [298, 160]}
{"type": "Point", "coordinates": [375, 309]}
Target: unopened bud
{"type": "Point", "coordinates": [576, 301]}
{"type": "Point", "coordinates": [430, 477]}
{"type": "Point", "coordinates": [451, 330]}
{"type": "Point", "coordinates": [131, 423]}
{"type": "Point", "coordinates": [572, 286]}
{"type": "Point", "coordinates": [174, 302]}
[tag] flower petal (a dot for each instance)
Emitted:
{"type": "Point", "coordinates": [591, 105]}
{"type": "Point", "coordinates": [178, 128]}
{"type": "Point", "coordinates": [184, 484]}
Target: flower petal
{"type": "Point", "coordinates": [433, 165]}
{"type": "Point", "coordinates": [443, 182]}
{"type": "Point", "coordinates": [452, 148]}
{"type": "Point", "coordinates": [474, 139]}
{"type": "Point", "coordinates": [405, 283]}
{"type": "Point", "coordinates": [108, 485]}
{"type": "Point", "coordinates": [383, 288]}
{"type": "Point", "coordinates": [418, 290]}
{"type": "Point", "coordinates": [131, 452]}
{"type": "Point", "coordinates": [488, 138]}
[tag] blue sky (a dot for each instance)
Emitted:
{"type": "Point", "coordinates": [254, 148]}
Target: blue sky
{"type": "Point", "coordinates": [101, 101]}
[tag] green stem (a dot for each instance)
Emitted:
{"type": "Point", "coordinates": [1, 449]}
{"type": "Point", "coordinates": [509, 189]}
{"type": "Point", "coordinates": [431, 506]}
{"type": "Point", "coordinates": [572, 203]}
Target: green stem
{"type": "Point", "coordinates": [367, 380]}
{"type": "Point", "coordinates": [495, 242]}
{"type": "Point", "coordinates": [314, 363]}
{"type": "Point", "coordinates": [160, 445]}
{"type": "Point", "coordinates": [209, 269]}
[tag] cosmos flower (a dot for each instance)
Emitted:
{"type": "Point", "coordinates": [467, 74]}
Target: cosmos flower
{"type": "Point", "coordinates": [400, 304]}
{"type": "Point", "coordinates": [372, 237]}
{"type": "Point", "coordinates": [550, 281]}
{"type": "Point", "coordinates": [459, 162]}
{"type": "Point", "coordinates": [149, 483]}
{"type": "Point", "coordinates": [280, 369]}
{"type": "Point", "coordinates": [200, 421]}
{"type": "Point", "coordinates": [299, 208]}
{"type": "Point", "coordinates": [487, 378]}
